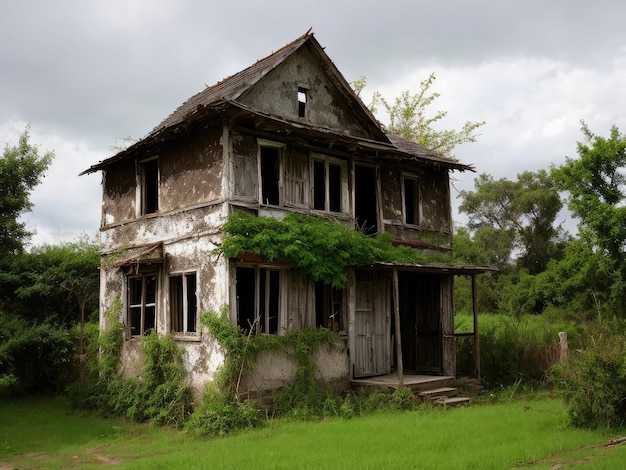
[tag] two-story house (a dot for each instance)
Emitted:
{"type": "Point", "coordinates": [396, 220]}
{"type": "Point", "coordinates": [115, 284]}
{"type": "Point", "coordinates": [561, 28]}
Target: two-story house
{"type": "Point", "coordinates": [287, 134]}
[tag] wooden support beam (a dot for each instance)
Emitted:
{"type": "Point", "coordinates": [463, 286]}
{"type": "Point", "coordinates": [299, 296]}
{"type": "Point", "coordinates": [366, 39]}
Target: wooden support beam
{"type": "Point", "coordinates": [396, 316]}
{"type": "Point", "coordinates": [476, 336]}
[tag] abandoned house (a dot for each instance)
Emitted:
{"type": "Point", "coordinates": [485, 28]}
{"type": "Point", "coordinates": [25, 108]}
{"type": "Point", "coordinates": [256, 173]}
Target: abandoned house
{"type": "Point", "coordinates": [287, 134]}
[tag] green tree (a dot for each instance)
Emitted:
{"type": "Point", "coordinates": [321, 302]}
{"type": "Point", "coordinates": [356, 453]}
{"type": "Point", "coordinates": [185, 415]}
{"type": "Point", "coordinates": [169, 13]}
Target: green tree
{"type": "Point", "coordinates": [409, 116]}
{"type": "Point", "coordinates": [21, 169]}
{"type": "Point", "coordinates": [53, 283]}
{"type": "Point", "coordinates": [519, 214]}
{"type": "Point", "coordinates": [595, 184]}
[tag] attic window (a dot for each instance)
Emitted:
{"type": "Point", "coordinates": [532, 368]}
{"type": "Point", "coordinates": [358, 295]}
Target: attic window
{"type": "Point", "coordinates": [302, 96]}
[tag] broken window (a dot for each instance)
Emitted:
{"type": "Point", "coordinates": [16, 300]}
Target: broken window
{"type": "Point", "coordinates": [329, 184]}
{"type": "Point", "coordinates": [183, 303]}
{"type": "Point", "coordinates": [328, 307]}
{"type": "Point", "coordinates": [410, 190]}
{"type": "Point", "coordinates": [258, 299]}
{"type": "Point", "coordinates": [142, 295]}
{"type": "Point", "coordinates": [269, 163]}
{"type": "Point", "coordinates": [302, 97]}
{"type": "Point", "coordinates": [149, 184]}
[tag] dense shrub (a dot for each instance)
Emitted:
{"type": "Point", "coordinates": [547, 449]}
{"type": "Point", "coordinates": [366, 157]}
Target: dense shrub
{"type": "Point", "coordinates": [160, 395]}
{"type": "Point", "coordinates": [594, 382]}
{"type": "Point", "coordinates": [35, 358]}
{"type": "Point", "coordinates": [218, 415]}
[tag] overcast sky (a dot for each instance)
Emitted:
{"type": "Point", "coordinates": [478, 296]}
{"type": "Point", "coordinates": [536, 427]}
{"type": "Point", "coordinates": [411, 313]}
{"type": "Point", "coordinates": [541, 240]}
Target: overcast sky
{"type": "Point", "coordinates": [87, 74]}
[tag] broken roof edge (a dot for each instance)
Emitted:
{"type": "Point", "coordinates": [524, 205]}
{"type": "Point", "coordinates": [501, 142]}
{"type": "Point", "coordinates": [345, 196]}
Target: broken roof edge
{"type": "Point", "coordinates": [425, 154]}
{"type": "Point", "coordinates": [414, 151]}
{"type": "Point", "coordinates": [442, 268]}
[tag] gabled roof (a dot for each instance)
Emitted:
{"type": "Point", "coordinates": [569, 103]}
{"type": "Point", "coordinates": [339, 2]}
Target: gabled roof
{"type": "Point", "coordinates": [233, 87]}
{"type": "Point", "coordinates": [230, 88]}
{"type": "Point", "coordinates": [214, 99]}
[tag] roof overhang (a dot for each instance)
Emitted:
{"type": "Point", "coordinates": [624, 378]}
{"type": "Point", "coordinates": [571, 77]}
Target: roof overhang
{"type": "Point", "coordinates": [140, 255]}
{"type": "Point", "coordinates": [287, 129]}
{"type": "Point", "coordinates": [432, 268]}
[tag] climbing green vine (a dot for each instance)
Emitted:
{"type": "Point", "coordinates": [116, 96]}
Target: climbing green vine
{"type": "Point", "coordinates": [322, 248]}
{"type": "Point", "coordinates": [242, 350]}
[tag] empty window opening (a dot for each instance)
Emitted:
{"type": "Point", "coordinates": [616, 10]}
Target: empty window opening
{"type": "Point", "coordinates": [365, 200]}
{"type": "Point", "coordinates": [150, 186]}
{"type": "Point", "coordinates": [268, 300]}
{"type": "Point", "coordinates": [334, 187]}
{"type": "Point", "coordinates": [258, 300]}
{"type": "Point", "coordinates": [319, 187]}
{"type": "Point", "coordinates": [411, 201]}
{"type": "Point", "coordinates": [328, 307]}
{"type": "Point", "coordinates": [183, 303]}
{"type": "Point", "coordinates": [270, 175]}
{"type": "Point", "coordinates": [142, 304]}
{"type": "Point", "coordinates": [329, 185]}
{"type": "Point", "coordinates": [302, 96]}
{"type": "Point", "coordinates": [245, 289]}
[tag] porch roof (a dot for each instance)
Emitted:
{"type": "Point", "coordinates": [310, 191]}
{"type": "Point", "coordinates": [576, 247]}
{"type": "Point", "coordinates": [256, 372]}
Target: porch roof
{"type": "Point", "coordinates": [433, 268]}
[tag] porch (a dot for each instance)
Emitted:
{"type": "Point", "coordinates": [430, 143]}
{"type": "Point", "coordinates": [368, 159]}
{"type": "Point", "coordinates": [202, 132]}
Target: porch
{"type": "Point", "coordinates": [416, 382]}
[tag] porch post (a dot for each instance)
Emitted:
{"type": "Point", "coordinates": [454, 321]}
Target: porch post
{"type": "Point", "coordinates": [396, 316]}
{"type": "Point", "coordinates": [476, 337]}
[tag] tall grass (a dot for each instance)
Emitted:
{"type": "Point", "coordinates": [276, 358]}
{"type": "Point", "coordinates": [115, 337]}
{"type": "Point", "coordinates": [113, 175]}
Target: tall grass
{"type": "Point", "coordinates": [483, 436]}
{"type": "Point", "coordinates": [513, 349]}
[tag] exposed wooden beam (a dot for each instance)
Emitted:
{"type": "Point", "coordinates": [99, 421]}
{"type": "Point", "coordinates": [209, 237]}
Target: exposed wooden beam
{"type": "Point", "coordinates": [396, 316]}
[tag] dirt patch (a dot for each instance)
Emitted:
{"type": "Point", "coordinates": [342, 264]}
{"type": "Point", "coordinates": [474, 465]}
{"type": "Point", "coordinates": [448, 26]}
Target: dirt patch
{"type": "Point", "coordinates": [562, 456]}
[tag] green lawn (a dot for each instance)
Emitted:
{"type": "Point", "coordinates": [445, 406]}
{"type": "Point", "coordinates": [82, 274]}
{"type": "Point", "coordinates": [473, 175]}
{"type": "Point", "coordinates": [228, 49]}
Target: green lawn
{"type": "Point", "coordinates": [45, 433]}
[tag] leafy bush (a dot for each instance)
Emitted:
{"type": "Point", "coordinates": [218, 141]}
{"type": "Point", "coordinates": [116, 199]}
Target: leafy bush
{"type": "Point", "coordinates": [35, 358]}
{"type": "Point", "coordinates": [594, 383]}
{"type": "Point", "coordinates": [219, 416]}
{"type": "Point", "coordinates": [161, 394]}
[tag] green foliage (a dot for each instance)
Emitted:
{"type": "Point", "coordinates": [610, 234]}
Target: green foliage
{"type": "Point", "coordinates": [409, 117]}
{"type": "Point", "coordinates": [35, 359]}
{"type": "Point", "coordinates": [217, 417]}
{"type": "Point", "coordinates": [160, 395]}
{"type": "Point", "coordinates": [594, 382]}
{"type": "Point", "coordinates": [54, 283]}
{"type": "Point", "coordinates": [303, 398]}
{"type": "Point", "coordinates": [595, 183]}
{"type": "Point", "coordinates": [321, 248]}
{"type": "Point", "coordinates": [513, 349]}
{"type": "Point", "coordinates": [241, 352]}
{"type": "Point", "coordinates": [21, 169]}
{"type": "Point", "coordinates": [507, 216]}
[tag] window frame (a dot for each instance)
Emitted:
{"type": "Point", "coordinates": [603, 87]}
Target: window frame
{"type": "Point", "coordinates": [263, 321]}
{"type": "Point", "coordinates": [143, 304]}
{"type": "Point", "coordinates": [148, 190]}
{"type": "Point", "coordinates": [184, 314]}
{"type": "Point", "coordinates": [303, 101]}
{"type": "Point", "coordinates": [330, 307]}
{"type": "Point", "coordinates": [416, 215]}
{"type": "Point", "coordinates": [343, 183]}
{"type": "Point", "coordinates": [280, 148]}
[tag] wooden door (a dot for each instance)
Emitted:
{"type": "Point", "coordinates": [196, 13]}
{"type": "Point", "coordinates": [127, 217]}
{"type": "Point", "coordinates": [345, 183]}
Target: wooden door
{"type": "Point", "coordinates": [372, 355]}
